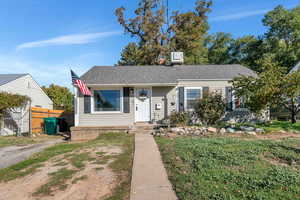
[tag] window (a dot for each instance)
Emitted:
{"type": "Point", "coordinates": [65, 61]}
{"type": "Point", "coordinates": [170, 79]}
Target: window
{"type": "Point", "coordinates": [191, 97]}
{"type": "Point", "coordinates": [107, 100]}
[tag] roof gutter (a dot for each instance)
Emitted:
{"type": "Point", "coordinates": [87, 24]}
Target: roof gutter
{"type": "Point", "coordinates": [135, 84]}
{"type": "Point", "coordinates": [204, 80]}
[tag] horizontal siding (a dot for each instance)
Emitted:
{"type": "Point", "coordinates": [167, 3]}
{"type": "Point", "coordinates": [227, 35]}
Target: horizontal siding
{"type": "Point", "coordinates": [213, 85]}
{"type": "Point", "coordinates": [166, 96]}
{"type": "Point", "coordinates": [105, 119]}
{"type": "Point", "coordinates": [27, 86]}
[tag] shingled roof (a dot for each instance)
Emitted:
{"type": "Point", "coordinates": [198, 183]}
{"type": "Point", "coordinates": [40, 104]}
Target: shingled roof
{"type": "Point", "coordinates": [6, 78]}
{"type": "Point", "coordinates": [162, 74]}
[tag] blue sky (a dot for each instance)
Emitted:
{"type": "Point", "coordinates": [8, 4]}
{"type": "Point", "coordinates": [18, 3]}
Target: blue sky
{"type": "Point", "coordinates": [48, 37]}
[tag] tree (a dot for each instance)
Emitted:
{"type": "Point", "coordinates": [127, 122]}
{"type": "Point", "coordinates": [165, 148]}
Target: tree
{"type": "Point", "coordinates": [283, 35]}
{"type": "Point", "coordinates": [219, 46]}
{"type": "Point", "coordinates": [156, 37]}
{"type": "Point", "coordinates": [189, 33]}
{"type": "Point", "coordinates": [281, 42]}
{"type": "Point", "coordinates": [131, 55]}
{"type": "Point", "coordinates": [61, 97]}
{"type": "Point", "coordinates": [291, 94]}
{"type": "Point", "coordinates": [271, 88]}
{"type": "Point", "coordinates": [147, 27]}
{"type": "Point", "coordinates": [210, 108]}
{"type": "Point", "coordinates": [9, 101]}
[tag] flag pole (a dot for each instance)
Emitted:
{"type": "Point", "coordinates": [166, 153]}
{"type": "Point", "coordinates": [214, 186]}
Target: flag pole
{"type": "Point", "coordinates": [75, 100]}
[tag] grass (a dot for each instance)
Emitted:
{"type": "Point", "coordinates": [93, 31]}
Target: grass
{"type": "Point", "coordinates": [231, 168]}
{"type": "Point", "coordinates": [13, 140]}
{"type": "Point", "coordinates": [34, 162]}
{"type": "Point", "coordinates": [121, 165]}
{"type": "Point", "coordinates": [83, 177]}
{"type": "Point", "coordinates": [79, 160]}
{"type": "Point", "coordinates": [280, 125]}
{"type": "Point", "coordinates": [57, 180]}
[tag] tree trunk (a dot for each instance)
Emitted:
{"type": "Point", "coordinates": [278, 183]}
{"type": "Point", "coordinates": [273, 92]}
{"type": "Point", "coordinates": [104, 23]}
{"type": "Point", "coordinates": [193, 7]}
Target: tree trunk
{"type": "Point", "coordinates": [293, 118]}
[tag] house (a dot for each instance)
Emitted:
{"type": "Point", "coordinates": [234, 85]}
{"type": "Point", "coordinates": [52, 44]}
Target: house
{"type": "Point", "coordinates": [17, 120]}
{"type": "Point", "coordinates": [126, 95]}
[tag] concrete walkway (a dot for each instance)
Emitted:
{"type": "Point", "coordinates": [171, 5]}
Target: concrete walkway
{"type": "Point", "coordinates": [149, 177]}
{"type": "Point", "coordinates": [13, 154]}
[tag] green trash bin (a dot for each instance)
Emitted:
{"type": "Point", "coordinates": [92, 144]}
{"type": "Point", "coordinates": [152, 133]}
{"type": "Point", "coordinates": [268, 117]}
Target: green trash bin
{"type": "Point", "coordinates": [50, 125]}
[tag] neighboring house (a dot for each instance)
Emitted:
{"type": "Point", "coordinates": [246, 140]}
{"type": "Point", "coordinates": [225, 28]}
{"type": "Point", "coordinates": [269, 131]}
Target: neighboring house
{"type": "Point", "coordinates": [124, 95]}
{"type": "Point", "coordinates": [18, 119]}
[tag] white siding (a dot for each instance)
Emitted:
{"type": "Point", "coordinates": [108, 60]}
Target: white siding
{"type": "Point", "coordinates": [25, 85]}
{"type": "Point", "coordinates": [18, 119]}
{"type": "Point", "coordinates": [213, 85]}
{"type": "Point", "coordinates": [166, 96]}
{"type": "Point", "coordinates": [105, 119]}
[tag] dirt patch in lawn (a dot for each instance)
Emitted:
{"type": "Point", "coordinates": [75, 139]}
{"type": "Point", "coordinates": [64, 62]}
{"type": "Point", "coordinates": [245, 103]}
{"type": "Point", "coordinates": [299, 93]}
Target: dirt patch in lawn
{"type": "Point", "coordinates": [276, 161]}
{"type": "Point", "coordinates": [82, 174]}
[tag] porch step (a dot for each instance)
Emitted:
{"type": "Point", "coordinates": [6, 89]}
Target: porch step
{"type": "Point", "coordinates": [144, 128]}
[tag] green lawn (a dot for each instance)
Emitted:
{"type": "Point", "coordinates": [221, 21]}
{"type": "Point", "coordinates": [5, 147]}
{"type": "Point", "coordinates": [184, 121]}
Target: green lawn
{"type": "Point", "coordinates": [280, 125]}
{"type": "Point", "coordinates": [231, 168]}
{"type": "Point", "coordinates": [13, 140]}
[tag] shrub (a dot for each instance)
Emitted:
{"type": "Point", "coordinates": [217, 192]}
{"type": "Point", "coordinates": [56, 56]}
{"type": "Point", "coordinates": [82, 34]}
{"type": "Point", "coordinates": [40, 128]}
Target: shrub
{"type": "Point", "coordinates": [210, 108]}
{"type": "Point", "coordinates": [179, 118]}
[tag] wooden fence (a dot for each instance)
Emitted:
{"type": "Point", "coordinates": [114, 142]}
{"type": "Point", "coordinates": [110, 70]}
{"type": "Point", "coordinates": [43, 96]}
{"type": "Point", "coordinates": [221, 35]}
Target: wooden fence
{"type": "Point", "coordinates": [38, 115]}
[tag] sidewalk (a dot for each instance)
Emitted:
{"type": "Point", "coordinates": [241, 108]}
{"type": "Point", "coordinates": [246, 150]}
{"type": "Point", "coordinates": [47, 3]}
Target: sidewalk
{"type": "Point", "coordinates": [149, 177]}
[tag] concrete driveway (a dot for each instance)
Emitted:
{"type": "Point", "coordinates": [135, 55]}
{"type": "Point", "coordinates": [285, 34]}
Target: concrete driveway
{"type": "Point", "coordinates": [13, 154]}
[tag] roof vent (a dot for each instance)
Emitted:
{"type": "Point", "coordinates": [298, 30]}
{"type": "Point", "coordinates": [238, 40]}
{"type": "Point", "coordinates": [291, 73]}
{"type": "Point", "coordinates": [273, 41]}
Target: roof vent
{"type": "Point", "coordinates": [177, 58]}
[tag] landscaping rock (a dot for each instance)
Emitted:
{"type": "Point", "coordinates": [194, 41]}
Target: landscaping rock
{"type": "Point", "coordinates": [250, 132]}
{"type": "Point", "coordinates": [259, 130]}
{"type": "Point", "coordinates": [212, 130]}
{"type": "Point", "coordinates": [222, 131]}
{"type": "Point", "coordinates": [230, 130]}
{"type": "Point", "coordinates": [282, 131]}
{"type": "Point", "coordinates": [247, 128]}
{"type": "Point", "coordinates": [296, 132]}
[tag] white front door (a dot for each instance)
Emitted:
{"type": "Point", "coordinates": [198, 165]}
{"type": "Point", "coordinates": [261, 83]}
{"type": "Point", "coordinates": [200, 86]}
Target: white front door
{"type": "Point", "coordinates": [142, 104]}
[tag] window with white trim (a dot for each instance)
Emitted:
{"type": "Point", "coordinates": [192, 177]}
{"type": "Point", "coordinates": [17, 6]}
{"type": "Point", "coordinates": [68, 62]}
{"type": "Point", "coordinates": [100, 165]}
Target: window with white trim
{"type": "Point", "coordinates": [107, 100]}
{"type": "Point", "coordinates": [192, 95]}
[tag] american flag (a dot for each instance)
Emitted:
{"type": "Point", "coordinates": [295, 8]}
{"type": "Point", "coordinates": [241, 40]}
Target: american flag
{"type": "Point", "coordinates": [80, 84]}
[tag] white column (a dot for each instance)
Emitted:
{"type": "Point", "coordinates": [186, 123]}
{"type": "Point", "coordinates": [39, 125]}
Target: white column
{"type": "Point", "coordinates": [76, 106]}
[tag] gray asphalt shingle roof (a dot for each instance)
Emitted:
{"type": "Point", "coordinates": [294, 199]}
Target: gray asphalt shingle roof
{"type": "Point", "coordinates": [6, 78]}
{"type": "Point", "coordinates": [162, 74]}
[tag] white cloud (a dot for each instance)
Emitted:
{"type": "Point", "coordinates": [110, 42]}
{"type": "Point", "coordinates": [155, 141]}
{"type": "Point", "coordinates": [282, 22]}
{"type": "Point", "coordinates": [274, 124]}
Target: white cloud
{"type": "Point", "coordinates": [68, 39]}
{"type": "Point", "coordinates": [240, 15]}
{"type": "Point", "coordinates": [45, 73]}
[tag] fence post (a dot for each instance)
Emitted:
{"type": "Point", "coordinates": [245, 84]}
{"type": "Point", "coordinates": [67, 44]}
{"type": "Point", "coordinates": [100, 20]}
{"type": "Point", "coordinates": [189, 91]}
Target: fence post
{"type": "Point", "coordinates": [30, 120]}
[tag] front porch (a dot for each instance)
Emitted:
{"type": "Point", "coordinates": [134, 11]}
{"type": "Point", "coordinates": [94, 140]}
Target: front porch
{"type": "Point", "coordinates": [92, 132]}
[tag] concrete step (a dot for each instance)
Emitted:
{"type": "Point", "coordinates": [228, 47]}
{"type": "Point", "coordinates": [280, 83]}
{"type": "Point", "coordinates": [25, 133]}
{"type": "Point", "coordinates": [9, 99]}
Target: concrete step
{"type": "Point", "coordinates": [142, 131]}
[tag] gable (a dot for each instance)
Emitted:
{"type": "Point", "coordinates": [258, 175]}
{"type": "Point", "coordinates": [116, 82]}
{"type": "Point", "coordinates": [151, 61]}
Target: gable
{"type": "Point", "coordinates": [6, 78]}
{"type": "Point", "coordinates": [26, 85]}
